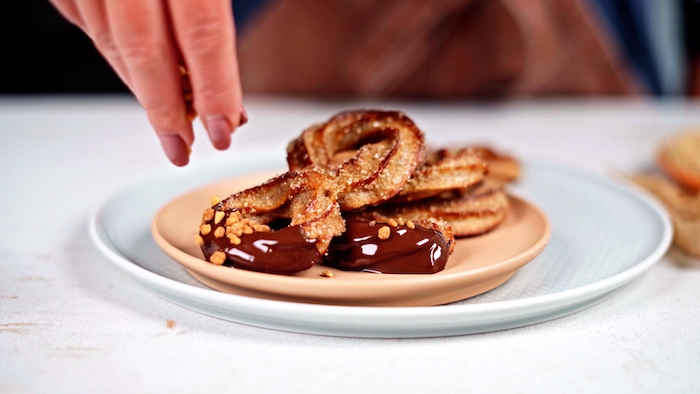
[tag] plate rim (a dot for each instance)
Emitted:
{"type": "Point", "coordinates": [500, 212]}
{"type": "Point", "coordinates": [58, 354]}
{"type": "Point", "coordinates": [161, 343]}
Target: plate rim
{"type": "Point", "coordinates": [171, 286]}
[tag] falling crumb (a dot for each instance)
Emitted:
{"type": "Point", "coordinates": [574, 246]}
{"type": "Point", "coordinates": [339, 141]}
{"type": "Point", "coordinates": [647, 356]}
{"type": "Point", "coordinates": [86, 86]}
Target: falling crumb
{"type": "Point", "coordinates": [384, 232]}
{"type": "Point", "coordinates": [214, 199]}
{"type": "Point", "coordinates": [170, 324]}
{"type": "Point", "coordinates": [199, 240]}
{"type": "Point", "coordinates": [327, 274]}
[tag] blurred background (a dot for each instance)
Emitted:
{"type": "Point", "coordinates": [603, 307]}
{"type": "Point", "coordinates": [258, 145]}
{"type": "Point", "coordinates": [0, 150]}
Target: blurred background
{"type": "Point", "coordinates": [407, 49]}
{"type": "Point", "coordinates": [50, 55]}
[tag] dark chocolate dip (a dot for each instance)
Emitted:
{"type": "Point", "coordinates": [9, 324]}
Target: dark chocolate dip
{"type": "Point", "coordinates": [286, 251]}
{"type": "Point", "coordinates": [406, 251]}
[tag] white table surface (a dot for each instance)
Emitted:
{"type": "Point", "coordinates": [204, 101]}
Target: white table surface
{"type": "Point", "coordinates": [72, 322]}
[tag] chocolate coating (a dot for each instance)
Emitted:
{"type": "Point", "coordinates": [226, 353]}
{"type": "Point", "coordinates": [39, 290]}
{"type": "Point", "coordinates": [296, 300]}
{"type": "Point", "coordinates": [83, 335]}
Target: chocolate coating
{"type": "Point", "coordinates": [406, 251]}
{"type": "Point", "coordinates": [284, 251]}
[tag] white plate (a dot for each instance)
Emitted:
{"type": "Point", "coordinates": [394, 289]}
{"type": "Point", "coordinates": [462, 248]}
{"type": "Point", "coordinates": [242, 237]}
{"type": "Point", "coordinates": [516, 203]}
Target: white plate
{"type": "Point", "coordinates": [603, 236]}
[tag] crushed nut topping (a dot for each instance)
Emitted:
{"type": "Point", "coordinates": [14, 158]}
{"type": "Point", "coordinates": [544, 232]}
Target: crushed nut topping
{"type": "Point", "coordinates": [410, 225]}
{"type": "Point", "coordinates": [384, 232]}
{"type": "Point", "coordinates": [190, 110]}
{"type": "Point", "coordinates": [199, 240]}
{"type": "Point", "coordinates": [327, 274]}
{"type": "Point", "coordinates": [218, 217]}
{"type": "Point", "coordinates": [205, 229]}
{"type": "Point", "coordinates": [234, 239]}
{"type": "Point", "coordinates": [233, 217]}
{"type": "Point", "coordinates": [400, 220]}
{"type": "Point", "coordinates": [234, 229]}
{"type": "Point", "coordinates": [219, 232]}
{"type": "Point", "coordinates": [264, 228]}
{"type": "Point", "coordinates": [372, 223]}
{"type": "Point", "coordinates": [214, 199]}
{"type": "Point", "coordinates": [392, 222]}
{"type": "Point", "coordinates": [208, 214]}
{"type": "Point", "coordinates": [218, 257]}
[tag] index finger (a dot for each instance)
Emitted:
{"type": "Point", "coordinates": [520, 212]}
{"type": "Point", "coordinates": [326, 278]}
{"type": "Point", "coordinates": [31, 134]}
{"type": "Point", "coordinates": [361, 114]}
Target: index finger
{"type": "Point", "coordinates": [142, 35]}
{"type": "Point", "coordinates": [204, 31]}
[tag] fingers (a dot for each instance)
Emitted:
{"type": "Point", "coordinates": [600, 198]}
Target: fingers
{"type": "Point", "coordinates": [204, 31]}
{"type": "Point", "coordinates": [69, 10]}
{"type": "Point", "coordinates": [141, 32]}
{"type": "Point", "coordinates": [146, 41]}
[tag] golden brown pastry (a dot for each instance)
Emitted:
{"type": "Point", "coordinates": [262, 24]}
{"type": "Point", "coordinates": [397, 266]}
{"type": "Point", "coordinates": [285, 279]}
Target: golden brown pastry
{"type": "Point", "coordinates": [385, 148]}
{"type": "Point", "coordinates": [683, 207]}
{"type": "Point", "coordinates": [679, 158]}
{"type": "Point", "coordinates": [360, 183]}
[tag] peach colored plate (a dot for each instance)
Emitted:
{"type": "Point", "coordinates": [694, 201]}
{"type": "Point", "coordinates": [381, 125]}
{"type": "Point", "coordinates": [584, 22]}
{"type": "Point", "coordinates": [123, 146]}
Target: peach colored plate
{"type": "Point", "coordinates": [477, 265]}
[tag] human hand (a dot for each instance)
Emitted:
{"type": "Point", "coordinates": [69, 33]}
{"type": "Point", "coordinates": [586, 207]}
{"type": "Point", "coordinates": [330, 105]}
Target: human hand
{"type": "Point", "coordinates": [146, 42]}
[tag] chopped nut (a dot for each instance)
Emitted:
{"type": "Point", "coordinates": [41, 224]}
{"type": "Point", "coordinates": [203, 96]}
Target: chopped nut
{"type": "Point", "coordinates": [208, 214]}
{"type": "Point", "coordinates": [263, 228]}
{"type": "Point", "coordinates": [199, 240]}
{"type": "Point", "coordinates": [372, 223]}
{"type": "Point", "coordinates": [327, 274]}
{"type": "Point", "coordinates": [400, 220]}
{"type": "Point", "coordinates": [247, 229]}
{"type": "Point", "coordinates": [214, 199]}
{"type": "Point", "coordinates": [393, 223]}
{"type": "Point", "coordinates": [205, 229]}
{"type": "Point", "coordinates": [410, 225]}
{"type": "Point", "coordinates": [218, 217]}
{"type": "Point", "coordinates": [233, 217]}
{"type": "Point", "coordinates": [218, 257]}
{"type": "Point", "coordinates": [219, 232]}
{"type": "Point", "coordinates": [190, 114]}
{"type": "Point", "coordinates": [384, 232]}
{"type": "Point", "coordinates": [235, 228]}
{"type": "Point", "coordinates": [234, 239]}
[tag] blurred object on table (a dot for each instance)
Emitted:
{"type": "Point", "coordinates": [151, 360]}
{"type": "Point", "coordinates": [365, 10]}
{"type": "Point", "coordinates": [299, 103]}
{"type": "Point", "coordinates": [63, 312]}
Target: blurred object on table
{"type": "Point", "coordinates": [683, 207]}
{"type": "Point", "coordinates": [679, 159]}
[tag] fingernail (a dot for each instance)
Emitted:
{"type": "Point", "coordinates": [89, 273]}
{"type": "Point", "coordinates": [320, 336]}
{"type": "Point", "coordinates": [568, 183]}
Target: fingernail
{"type": "Point", "coordinates": [175, 149]}
{"type": "Point", "coordinates": [244, 117]}
{"type": "Point", "coordinates": [219, 132]}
